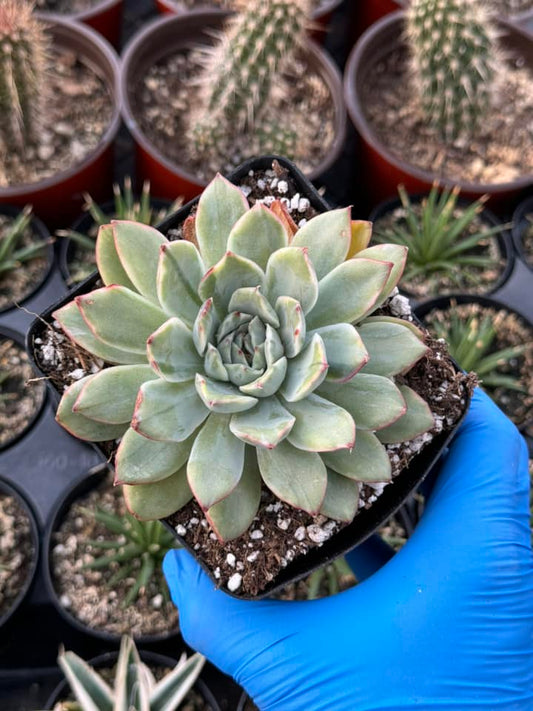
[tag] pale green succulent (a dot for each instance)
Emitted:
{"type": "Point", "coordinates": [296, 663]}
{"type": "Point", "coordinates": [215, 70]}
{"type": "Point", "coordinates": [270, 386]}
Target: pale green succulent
{"type": "Point", "coordinates": [135, 688]}
{"type": "Point", "coordinates": [238, 363]}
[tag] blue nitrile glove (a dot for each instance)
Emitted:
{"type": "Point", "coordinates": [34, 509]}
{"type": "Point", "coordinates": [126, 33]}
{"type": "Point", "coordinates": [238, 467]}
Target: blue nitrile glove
{"type": "Point", "coordinates": [447, 623]}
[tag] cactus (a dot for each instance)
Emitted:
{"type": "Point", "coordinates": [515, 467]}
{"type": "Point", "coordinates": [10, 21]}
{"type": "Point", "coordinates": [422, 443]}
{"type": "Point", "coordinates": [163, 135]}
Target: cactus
{"type": "Point", "coordinates": [23, 49]}
{"type": "Point", "coordinates": [240, 71]}
{"type": "Point", "coordinates": [251, 359]}
{"type": "Point", "coordinates": [453, 58]}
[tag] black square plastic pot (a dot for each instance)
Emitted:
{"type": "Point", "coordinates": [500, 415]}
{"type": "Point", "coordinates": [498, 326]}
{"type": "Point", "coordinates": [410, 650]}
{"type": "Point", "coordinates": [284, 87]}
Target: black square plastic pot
{"type": "Point", "coordinates": [367, 520]}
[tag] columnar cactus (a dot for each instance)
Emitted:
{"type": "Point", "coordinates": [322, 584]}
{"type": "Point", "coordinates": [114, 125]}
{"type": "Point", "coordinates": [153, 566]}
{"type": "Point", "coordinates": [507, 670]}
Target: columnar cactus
{"type": "Point", "coordinates": [23, 47]}
{"type": "Point", "coordinates": [453, 50]}
{"type": "Point", "coordinates": [257, 42]}
{"type": "Point", "coordinates": [253, 358]}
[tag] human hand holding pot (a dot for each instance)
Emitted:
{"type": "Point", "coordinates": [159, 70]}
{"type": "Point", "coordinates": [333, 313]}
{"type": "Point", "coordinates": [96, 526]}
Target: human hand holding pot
{"type": "Point", "coordinates": [447, 623]}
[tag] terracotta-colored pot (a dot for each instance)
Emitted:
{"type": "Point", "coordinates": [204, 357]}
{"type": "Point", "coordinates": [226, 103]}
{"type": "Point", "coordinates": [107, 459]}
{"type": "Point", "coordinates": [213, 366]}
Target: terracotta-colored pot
{"type": "Point", "coordinates": [383, 170]}
{"type": "Point", "coordinates": [167, 35]}
{"type": "Point", "coordinates": [321, 16]}
{"type": "Point", "coordinates": [58, 198]}
{"type": "Point", "coordinates": [367, 13]}
{"type": "Point", "coordinates": [105, 17]}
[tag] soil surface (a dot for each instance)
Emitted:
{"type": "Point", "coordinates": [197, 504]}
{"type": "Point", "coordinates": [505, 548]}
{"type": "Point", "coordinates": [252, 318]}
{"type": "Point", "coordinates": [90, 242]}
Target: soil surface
{"type": "Point", "coordinates": [20, 400]}
{"type": "Point", "coordinates": [66, 7]}
{"type": "Point", "coordinates": [471, 279]}
{"type": "Point", "coordinates": [16, 550]}
{"type": "Point", "coordinates": [501, 150]}
{"type": "Point", "coordinates": [511, 331]}
{"type": "Point", "coordinates": [86, 594]}
{"type": "Point", "coordinates": [78, 112]}
{"type": "Point", "coordinates": [527, 240]}
{"type": "Point", "coordinates": [166, 93]}
{"type": "Point", "coordinates": [19, 283]}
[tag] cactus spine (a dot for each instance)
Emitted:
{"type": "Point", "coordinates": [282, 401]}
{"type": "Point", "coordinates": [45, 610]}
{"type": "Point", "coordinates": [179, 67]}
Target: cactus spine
{"type": "Point", "coordinates": [453, 50]}
{"type": "Point", "coordinates": [23, 48]}
{"type": "Point", "coordinates": [240, 71]}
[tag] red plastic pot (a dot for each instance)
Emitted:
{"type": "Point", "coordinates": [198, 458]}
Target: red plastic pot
{"type": "Point", "coordinates": [58, 198]}
{"type": "Point", "coordinates": [105, 17]}
{"type": "Point", "coordinates": [321, 16]}
{"type": "Point", "coordinates": [367, 13]}
{"type": "Point", "coordinates": [167, 35]}
{"type": "Point", "coordinates": [383, 171]}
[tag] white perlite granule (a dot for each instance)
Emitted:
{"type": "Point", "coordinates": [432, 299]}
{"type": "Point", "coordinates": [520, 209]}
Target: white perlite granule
{"type": "Point", "coordinates": [234, 583]}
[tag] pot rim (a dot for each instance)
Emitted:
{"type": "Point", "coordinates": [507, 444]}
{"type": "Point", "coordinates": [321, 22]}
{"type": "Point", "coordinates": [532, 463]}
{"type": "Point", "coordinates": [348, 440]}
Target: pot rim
{"type": "Point", "coordinates": [145, 36]}
{"type": "Point", "coordinates": [11, 489]}
{"type": "Point", "coordinates": [325, 6]}
{"type": "Point", "coordinates": [357, 66]}
{"type": "Point", "coordinates": [107, 56]}
{"type": "Point", "coordinates": [83, 15]}
{"type": "Point", "coordinates": [81, 485]}
{"type": "Point", "coordinates": [41, 231]}
{"type": "Point", "coordinates": [524, 208]}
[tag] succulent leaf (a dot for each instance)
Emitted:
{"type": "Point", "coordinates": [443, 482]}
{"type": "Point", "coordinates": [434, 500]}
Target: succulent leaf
{"type": "Point", "coordinates": [229, 274]}
{"type": "Point", "coordinates": [320, 426]}
{"type": "Point", "coordinates": [215, 368]}
{"type": "Point", "coordinates": [289, 272]}
{"type": "Point", "coordinates": [250, 300]}
{"type": "Point", "coordinates": [368, 461]}
{"type": "Point", "coordinates": [213, 478]}
{"type": "Point", "coordinates": [220, 206]}
{"type": "Point", "coordinates": [269, 382]}
{"type": "Point", "coordinates": [393, 347]}
{"type": "Point", "coordinates": [221, 397]}
{"type": "Point", "coordinates": [120, 317]}
{"type": "Point", "coordinates": [240, 374]}
{"type": "Point", "coordinates": [205, 326]}
{"type": "Point", "coordinates": [292, 330]}
{"type": "Point", "coordinates": [74, 325]}
{"type": "Point", "coordinates": [257, 234]}
{"type": "Point", "coordinates": [89, 688]}
{"type": "Point", "coordinates": [273, 346]}
{"type": "Point", "coordinates": [138, 249]}
{"type": "Point", "coordinates": [327, 237]}
{"type": "Point", "coordinates": [80, 426]}
{"type": "Point", "coordinates": [179, 274]}
{"type": "Point", "coordinates": [361, 231]}
{"type": "Point", "coordinates": [393, 319]}
{"type": "Point", "coordinates": [299, 478]}
{"type": "Point", "coordinates": [172, 689]}
{"type": "Point", "coordinates": [373, 401]}
{"type": "Point", "coordinates": [168, 412]}
{"type": "Point", "coordinates": [342, 498]}
{"type": "Point", "coordinates": [128, 683]}
{"type": "Point", "coordinates": [265, 425]}
{"type": "Point", "coordinates": [417, 420]}
{"type": "Point", "coordinates": [107, 259]}
{"type": "Point", "coordinates": [123, 382]}
{"type": "Point", "coordinates": [395, 254]}
{"type": "Point", "coordinates": [345, 351]}
{"type": "Point", "coordinates": [349, 292]}
{"type": "Point", "coordinates": [172, 353]}
{"type": "Point", "coordinates": [306, 371]}
{"type": "Point", "coordinates": [140, 460]}
{"type": "Point", "coordinates": [231, 517]}
{"type": "Point", "coordinates": [158, 499]}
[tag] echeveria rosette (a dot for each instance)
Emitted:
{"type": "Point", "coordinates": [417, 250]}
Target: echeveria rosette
{"type": "Point", "coordinates": [236, 361]}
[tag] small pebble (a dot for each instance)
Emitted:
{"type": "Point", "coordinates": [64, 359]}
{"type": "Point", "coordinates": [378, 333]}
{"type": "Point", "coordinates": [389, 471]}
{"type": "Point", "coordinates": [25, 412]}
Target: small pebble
{"type": "Point", "coordinates": [216, 573]}
{"type": "Point", "coordinates": [234, 583]}
{"type": "Point", "coordinates": [317, 534]}
{"type": "Point", "coordinates": [230, 560]}
{"type": "Point", "coordinates": [303, 204]}
{"type": "Point", "coordinates": [252, 557]}
{"type": "Point", "coordinates": [299, 534]}
{"type": "Point", "coordinates": [181, 530]}
{"type": "Point", "coordinates": [256, 534]}
{"type": "Point", "coordinates": [157, 601]}
{"type": "Point", "coordinates": [64, 601]}
{"type": "Point", "coordinates": [283, 187]}
{"type": "Point", "coordinates": [283, 523]}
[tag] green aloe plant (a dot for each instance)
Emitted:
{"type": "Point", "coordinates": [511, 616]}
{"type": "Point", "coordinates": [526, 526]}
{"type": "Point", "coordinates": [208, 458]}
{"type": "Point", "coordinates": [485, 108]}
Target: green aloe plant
{"type": "Point", "coordinates": [137, 552]}
{"type": "Point", "coordinates": [472, 343]}
{"type": "Point", "coordinates": [135, 687]}
{"type": "Point", "coordinates": [255, 358]}
{"type": "Point", "coordinates": [440, 236]}
{"type": "Point", "coordinates": [126, 207]}
{"type": "Point", "coordinates": [12, 252]}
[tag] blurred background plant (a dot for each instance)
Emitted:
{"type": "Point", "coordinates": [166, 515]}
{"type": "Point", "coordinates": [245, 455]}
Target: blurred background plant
{"type": "Point", "coordinates": [15, 249]}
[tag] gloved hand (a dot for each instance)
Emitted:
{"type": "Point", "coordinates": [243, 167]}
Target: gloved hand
{"type": "Point", "coordinates": [447, 623]}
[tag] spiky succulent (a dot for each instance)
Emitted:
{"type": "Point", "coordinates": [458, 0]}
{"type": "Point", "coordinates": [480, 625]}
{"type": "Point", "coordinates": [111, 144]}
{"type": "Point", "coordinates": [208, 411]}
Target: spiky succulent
{"type": "Point", "coordinates": [453, 57]}
{"type": "Point", "coordinates": [23, 47]}
{"type": "Point", "coordinates": [135, 687]}
{"type": "Point", "coordinates": [137, 551]}
{"type": "Point", "coordinates": [238, 362]}
{"type": "Point", "coordinates": [12, 252]}
{"type": "Point", "coordinates": [257, 42]}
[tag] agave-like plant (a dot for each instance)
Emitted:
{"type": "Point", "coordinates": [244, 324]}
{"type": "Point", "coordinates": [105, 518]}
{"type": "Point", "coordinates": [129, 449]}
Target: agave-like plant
{"type": "Point", "coordinates": [12, 252]}
{"type": "Point", "coordinates": [137, 551]}
{"type": "Point", "coordinates": [247, 353]}
{"type": "Point", "coordinates": [135, 687]}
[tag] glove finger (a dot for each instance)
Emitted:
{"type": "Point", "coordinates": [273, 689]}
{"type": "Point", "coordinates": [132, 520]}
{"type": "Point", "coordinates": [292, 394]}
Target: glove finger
{"type": "Point", "coordinates": [368, 557]}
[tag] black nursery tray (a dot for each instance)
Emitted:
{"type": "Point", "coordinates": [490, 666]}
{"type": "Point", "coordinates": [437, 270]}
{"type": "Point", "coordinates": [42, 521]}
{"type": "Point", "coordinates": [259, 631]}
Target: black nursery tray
{"type": "Point", "coordinates": [367, 520]}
